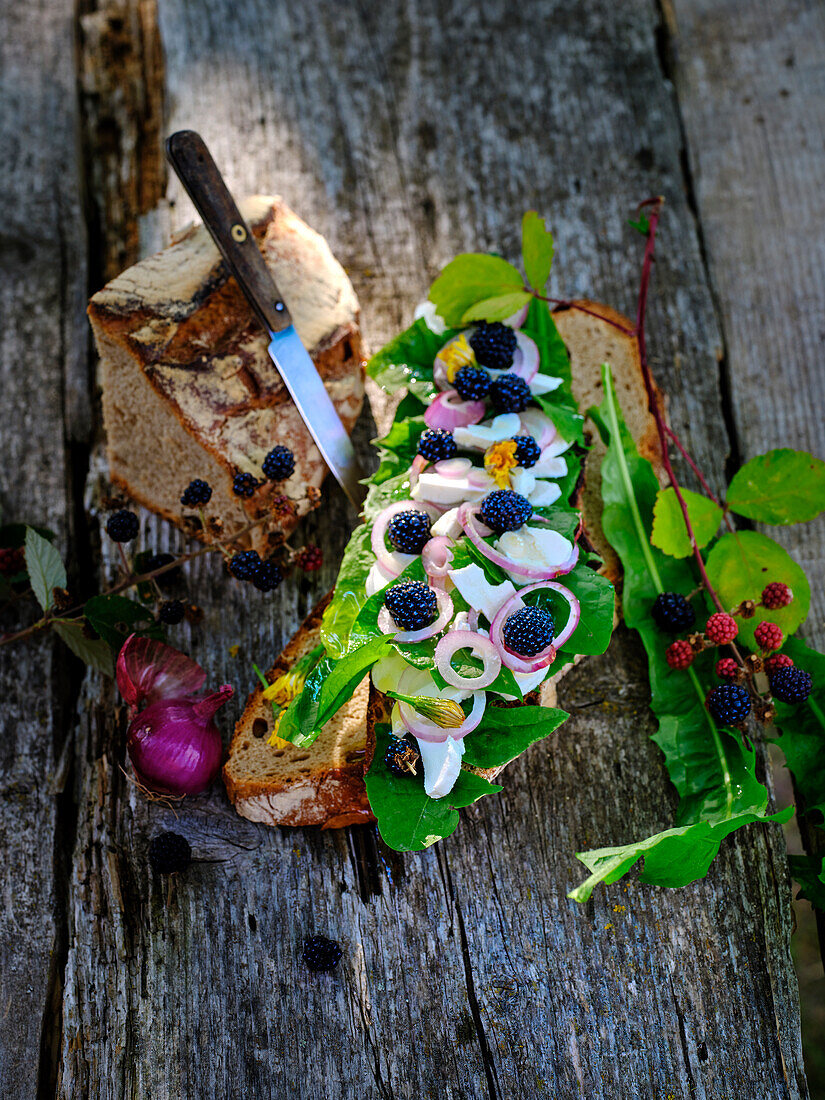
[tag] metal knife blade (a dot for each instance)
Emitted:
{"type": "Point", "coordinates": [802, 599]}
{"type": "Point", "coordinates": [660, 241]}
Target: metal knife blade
{"type": "Point", "coordinates": [193, 163]}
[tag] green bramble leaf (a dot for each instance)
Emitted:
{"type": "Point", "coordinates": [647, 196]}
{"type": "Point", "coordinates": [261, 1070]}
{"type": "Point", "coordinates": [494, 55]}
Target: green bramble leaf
{"type": "Point", "coordinates": [408, 819]}
{"type": "Point", "coordinates": [809, 872]}
{"type": "Point", "coordinates": [802, 728]}
{"type": "Point", "coordinates": [740, 564]}
{"type": "Point", "coordinates": [669, 531]}
{"type": "Point", "coordinates": [536, 249]}
{"type": "Point", "coordinates": [469, 278]}
{"type": "Point", "coordinates": [95, 653]}
{"type": "Point", "coordinates": [114, 617]}
{"type": "Point", "coordinates": [498, 308]}
{"type": "Point", "coordinates": [45, 567]}
{"type": "Point", "coordinates": [780, 487]}
{"type": "Point", "coordinates": [641, 225]}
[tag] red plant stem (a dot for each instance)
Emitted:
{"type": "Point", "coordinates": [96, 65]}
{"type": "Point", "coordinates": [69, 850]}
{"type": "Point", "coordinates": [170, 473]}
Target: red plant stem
{"type": "Point", "coordinates": [699, 475]}
{"type": "Point", "coordinates": [647, 266]}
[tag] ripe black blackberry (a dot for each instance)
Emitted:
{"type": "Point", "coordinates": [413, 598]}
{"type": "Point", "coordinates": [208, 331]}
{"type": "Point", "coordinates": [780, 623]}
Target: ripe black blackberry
{"type": "Point", "coordinates": [528, 452]}
{"type": "Point", "coordinates": [510, 394]}
{"type": "Point", "coordinates": [196, 492]}
{"type": "Point", "coordinates": [320, 953]}
{"type": "Point", "coordinates": [171, 612]}
{"type": "Point", "coordinates": [402, 756]}
{"type": "Point", "coordinates": [729, 704]}
{"type": "Point", "coordinates": [505, 510]}
{"type": "Point", "coordinates": [528, 631]}
{"type": "Point", "coordinates": [790, 684]}
{"type": "Point", "coordinates": [672, 613]}
{"type": "Point", "coordinates": [411, 604]}
{"type": "Point", "coordinates": [268, 576]}
{"type": "Point", "coordinates": [169, 852]}
{"type": "Point", "coordinates": [494, 345]}
{"type": "Point", "coordinates": [435, 444]}
{"type": "Point", "coordinates": [122, 526]}
{"type": "Point", "coordinates": [409, 531]}
{"type": "Point", "coordinates": [279, 464]}
{"type": "Point", "coordinates": [244, 485]}
{"type": "Point", "coordinates": [244, 566]}
{"type": "Point", "coordinates": [472, 383]}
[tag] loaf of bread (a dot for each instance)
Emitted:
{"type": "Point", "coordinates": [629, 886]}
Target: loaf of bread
{"type": "Point", "coordinates": [323, 784]}
{"type": "Point", "coordinates": [189, 390]}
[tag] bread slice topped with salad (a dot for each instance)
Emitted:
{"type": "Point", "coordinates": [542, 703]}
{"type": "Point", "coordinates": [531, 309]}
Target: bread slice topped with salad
{"type": "Point", "coordinates": [480, 573]}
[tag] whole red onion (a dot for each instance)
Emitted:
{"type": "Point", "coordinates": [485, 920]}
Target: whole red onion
{"type": "Point", "coordinates": [173, 743]}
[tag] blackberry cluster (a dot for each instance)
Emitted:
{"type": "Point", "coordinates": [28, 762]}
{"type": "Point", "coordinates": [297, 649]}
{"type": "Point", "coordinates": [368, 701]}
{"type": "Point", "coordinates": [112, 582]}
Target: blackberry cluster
{"type": "Point", "coordinates": [244, 485]}
{"type": "Point", "coordinates": [310, 559]}
{"type": "Point", "coordinates": [790, 684]}
{"type": "Point", "coordinates": [776, 595]}
{"type": "Point", "coordinates": [267, 576]}
{"type": "Point", "coordinates": [528, 631]}
{"type": "Point", "coordinates": [510, 394]}
{"type": "Point", "coordinates": [157, 561]}
{"type": "Point", "coordinates": [279, 464]}
{"type": "Point", "coordinates": [672, 613]}
{"type": "Point", "coordinates": [196, 492]}
{"type": "Point", "coordinates": [320, 953]}
{"type": "Point", "coordinates": [768, 636]}
{"type": "Point", "coordinates": [472, 383]}
{"type": "Point", "coordinates": [679, 654]}
{"type": "Point", "coordinates": [777, 661]}
{"type": "Point", "coordinates": [494, 345]}
{"type": "Point", "coordinates": [528, 452]}
{"type": "Point", "coordinates": [169, 852]}
{"type": "Point", "coordinates": [505, 510]}
{"type": "Point", "coordinates": [122, 526]}
{"type": "Point", "coordinates": [401, 756]}
{"type": "Point", "coordinates": [721, 628]}
{"type": "Point", "coordinates": [411, 604]}
{"type": "Point", "coordinates": [12, 560]}
{"type": "Point", "coordinates": [171, 612]}
{"type": "Point", "coordinates": [435, 444]}
{"type": "Point", "coordinates": [244, 566]}
{"type": "Point", "coordinates": [727, 669]}
{"type": "Point", "coordinates": [729, 704]}
{"type": "Point", "coordinates": [409, 531]}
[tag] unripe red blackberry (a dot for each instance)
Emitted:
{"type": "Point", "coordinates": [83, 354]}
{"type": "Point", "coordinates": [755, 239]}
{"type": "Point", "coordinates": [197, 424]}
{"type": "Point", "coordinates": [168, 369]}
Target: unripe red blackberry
{"type": "Point", "coordinates": [726, 669]}
{"type": "Point", "coordinates": [721, 628]}
{"type": "Point", "coordinates": [679, 654]}
{"type": "Point", "coordinates": [776, 595]}
{"type": "Point", "coordinates": [768, 636]}
{"type": "Point", "coordinates": [778, 660]}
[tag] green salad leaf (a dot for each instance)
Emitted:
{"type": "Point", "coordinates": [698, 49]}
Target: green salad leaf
{"type": "Point", "coordinates": [505, 732]}
{"type": "Point", "coordinates": [349, 595]}
{"type": "Point", "coordinates": [408, 819]}
{"type": "Point", "coordinates": [782, 486]}
{"type": "Point", "coordinates": [407, 361]}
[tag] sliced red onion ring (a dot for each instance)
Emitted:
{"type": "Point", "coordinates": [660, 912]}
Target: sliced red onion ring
{"type": "Point", "coordinates": [538, 425]}
{"type": "Point", "coordinates": [437, 556]}
{"type": "Point", "coordinates": [387, 557]}
{"type": "Point", "coordinates": [451, 643]}
{"type": "Point", "coordinates": [546, 656]}
{"type": "Point", "coordinates": [526, 359]}
{"type": "Point", "coordinates": [422, 727]}
{"type": "Point", "coordinates": [516, 320]}
{"type": "Point", "coordinates": [453, 467]}
{"type": "Point", "coordinates": [447, 410]}
{"type": "Point", "coordinates": [467, 518]}
{"type": "Point", "coordinates": [445, 613]}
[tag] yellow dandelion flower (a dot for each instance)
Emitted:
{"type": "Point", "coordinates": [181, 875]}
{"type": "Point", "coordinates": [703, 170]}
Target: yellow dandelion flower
{"type": "Point", "coordinates": [459, 354]}
{"type": "Point", "coordinates": [499, 460]}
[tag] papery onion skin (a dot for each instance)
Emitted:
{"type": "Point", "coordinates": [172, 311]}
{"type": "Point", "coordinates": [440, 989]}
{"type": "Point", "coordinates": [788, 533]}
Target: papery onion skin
{"type": "Point", "coordinates": [467, 518]}
{"type": "Point", "coordinates": [148, 670]}
{"type": "Point", "coordinates": [447, 410]}
{"type": "Point", "coordinates": [455, 640]}
{"type": "Point", "coordinates": [175, 746]}
{"type": "Point", "coordinates": [429, 731]}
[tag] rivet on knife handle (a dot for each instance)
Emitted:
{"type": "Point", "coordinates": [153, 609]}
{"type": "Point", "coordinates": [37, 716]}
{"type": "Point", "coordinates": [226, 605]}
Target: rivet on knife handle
{"type": "Point", "coordinates": [204, 184]}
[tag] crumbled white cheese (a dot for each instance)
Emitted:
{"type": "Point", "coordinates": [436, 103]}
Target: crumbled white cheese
{"type": "Point", "coordinates": [478, 592]}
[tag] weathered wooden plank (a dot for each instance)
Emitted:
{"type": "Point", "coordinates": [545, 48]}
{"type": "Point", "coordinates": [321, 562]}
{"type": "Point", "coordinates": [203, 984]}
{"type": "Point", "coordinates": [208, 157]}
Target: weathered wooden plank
{"type": "Point", "coordinates": [407, 133]}
{"type": "Point", "coordinates": [43, 365]}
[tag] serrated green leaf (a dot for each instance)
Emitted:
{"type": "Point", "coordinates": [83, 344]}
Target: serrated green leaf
{"type": "Point", "coordinates": [536, 250]}
{"type": "Point", "coordinates": [469, 278]}
{"type": "Point", "coordinates": [13, 535]}
{"type": "Point", "coordinates": [107, 612]}
{"type": "Point", "coordinates": [408, 819]}
{"type": "Point", "coordinates": [669, 531]}
{"type": "Point", "coordinates": [498, 308]}
{"type": "Point", "coordinates": [780, 487]}
{"type": "Point", "coordinates": [741, 564]}
{"type": "Point", "coordinates": [505, 732]}
{"type": "Point", "coordinates": [96, 654]}
{"type": "Point", "coordinates": [45, 567]}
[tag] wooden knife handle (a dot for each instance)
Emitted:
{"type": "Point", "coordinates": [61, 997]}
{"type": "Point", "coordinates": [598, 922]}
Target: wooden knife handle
{"type": "Point", "coordinates": [197, 171]}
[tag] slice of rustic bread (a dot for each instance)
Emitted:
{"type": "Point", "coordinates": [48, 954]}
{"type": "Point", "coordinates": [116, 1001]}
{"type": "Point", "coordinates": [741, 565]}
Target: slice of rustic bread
{"type": "Point", "coordinates": [189, 390]}
{"type": "Point", "coordinates": [286, 785]}
{"type": "Point", "coordinates": [304, 787]}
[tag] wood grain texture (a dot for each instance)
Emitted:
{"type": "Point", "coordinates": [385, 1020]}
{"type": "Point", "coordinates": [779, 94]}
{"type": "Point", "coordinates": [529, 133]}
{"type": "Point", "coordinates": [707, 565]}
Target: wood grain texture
{"type": "Point", "coordinates": [45, 403]}
{"type": "Point", "coordinates": [408, 132]}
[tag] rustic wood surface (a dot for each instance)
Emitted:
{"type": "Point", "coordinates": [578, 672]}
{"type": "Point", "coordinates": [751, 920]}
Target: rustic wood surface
{"type": "Point", "coordinates": [404, 133]}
